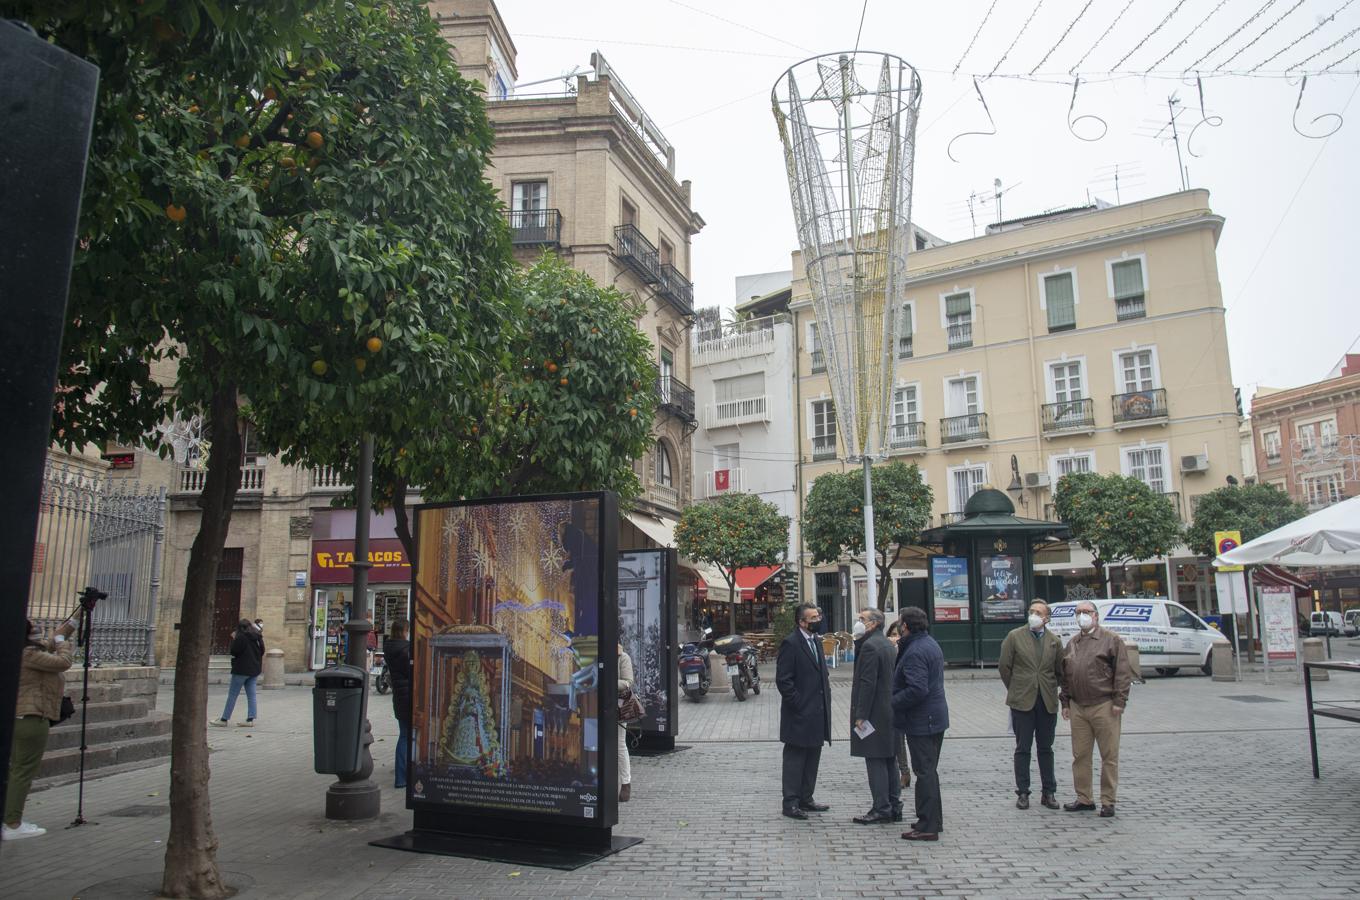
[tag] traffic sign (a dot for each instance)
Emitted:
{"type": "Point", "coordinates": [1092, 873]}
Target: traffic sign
{"type": "Point", "coordinates": [1225, 541]}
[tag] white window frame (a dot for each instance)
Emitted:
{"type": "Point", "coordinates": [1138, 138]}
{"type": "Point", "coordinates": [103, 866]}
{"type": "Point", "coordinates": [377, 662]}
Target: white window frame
{"type": "Point", "coordinates": [1070, 453]}
{"type": "Point", "coordinates": [812, 416]}
{"type": "Point", "coordinates": [955, 504]}
{"type": "Point", "coordinates": [663, 454]}
{"type": "Point", "coordinates": [1333, 476]}
{"type": "Point", "coordinates": [1051, 389]}
{"type": "Point", "coordinates": [972, 304]}
{"type": "Point", "coordinates": [1043, 285]}
{"type": "Point", "coordinates": [1266, 435]}
{"type": "Point", "coordinates": [519, 182]}
{"type": "Point", "coordinates": [981, 403]}
{"type": "Point", "coordinates": [910, 307]}
{"type": "Point", "coordinates": [1125, 257]}
{"type": "Point", "coordinates": [1118, 367]}
{"type": "Point", "coordinates": [1168, 485]}
{"type": "Point", "coordinates": [1321, 422]}
{"type": "Point", "coordinates": [892, 402]}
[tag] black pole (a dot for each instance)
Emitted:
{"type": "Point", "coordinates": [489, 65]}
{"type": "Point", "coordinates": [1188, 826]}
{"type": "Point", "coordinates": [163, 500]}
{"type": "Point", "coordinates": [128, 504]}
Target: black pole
{"type": "Point", "coordinates": [86, 630]}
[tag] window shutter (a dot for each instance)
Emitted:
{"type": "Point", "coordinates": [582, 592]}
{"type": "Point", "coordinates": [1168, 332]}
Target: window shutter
{"type": "Point", "coordinates": [1058, 298]}
{"type": "Point", "coordinates": [957, 305]}
{"type": "Point", "coordinates": [1128, 278]}
{"type": "Point", "coordinates": [904, 323]}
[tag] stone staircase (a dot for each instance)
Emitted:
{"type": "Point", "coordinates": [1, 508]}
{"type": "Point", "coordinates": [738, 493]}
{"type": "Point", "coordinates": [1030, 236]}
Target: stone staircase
{"type": "Point", "coordinates": [123, 729]}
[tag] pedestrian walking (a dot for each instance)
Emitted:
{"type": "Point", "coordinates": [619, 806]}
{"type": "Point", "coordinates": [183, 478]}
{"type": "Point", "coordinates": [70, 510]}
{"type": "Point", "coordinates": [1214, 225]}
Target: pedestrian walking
{"type": "Point", "coordinates": [920, 712]}
{"type": "Point", "coordinates": [625, 762]}
{"type": "Point", "coordinates": [397, 654]}
{"type": "Point", "coordinates": [871, 719]}
{"type": "Point", "coordinates": [900, 739]}
{"type": "Point", "coordinates": [42, 683]}
{"type": "Point", "coordinates": [1095, 691]}
{"type": "Point", "coordinates": [804, 711]}
{"type": "Point", "coordinates": [1031, 669]}
{"type": "Point", "coordinates": [247, 658]}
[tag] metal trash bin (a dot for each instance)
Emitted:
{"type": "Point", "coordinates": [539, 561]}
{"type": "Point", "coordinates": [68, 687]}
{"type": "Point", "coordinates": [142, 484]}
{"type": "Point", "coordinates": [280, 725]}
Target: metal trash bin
{"type": "Point", "coordinates": [338, 719]}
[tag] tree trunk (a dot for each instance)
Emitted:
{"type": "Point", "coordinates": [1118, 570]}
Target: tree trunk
{"type": "Point", "coordinates": [408, 541]}
{"type": "Point", "coordinates": [1099, 565]}
{"type": "Point", "coordinates": [731, 595]}
{"type": "Point", "coordinates": [191, 850]}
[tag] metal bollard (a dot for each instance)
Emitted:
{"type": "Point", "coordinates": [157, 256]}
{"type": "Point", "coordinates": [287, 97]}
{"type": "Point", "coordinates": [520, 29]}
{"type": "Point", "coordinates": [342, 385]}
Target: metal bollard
{"type": "Point", "coordinates": [1313, 651]}
{"type": "Point", "coordinates": [1221, 663]}
{"type": "Point", "coordinates": [271, 676]}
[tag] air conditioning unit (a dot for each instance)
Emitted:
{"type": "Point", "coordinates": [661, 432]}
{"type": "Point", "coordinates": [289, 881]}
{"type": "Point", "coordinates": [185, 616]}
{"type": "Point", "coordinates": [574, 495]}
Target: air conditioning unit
{"type": "Point", "coordinates": [1036, 480]}
{"type": "Point", "coordinates": [1196, 463]}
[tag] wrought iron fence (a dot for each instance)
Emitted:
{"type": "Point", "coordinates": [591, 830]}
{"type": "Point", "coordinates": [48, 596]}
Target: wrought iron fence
{"type": "Point", "coordinates": [107, 533]}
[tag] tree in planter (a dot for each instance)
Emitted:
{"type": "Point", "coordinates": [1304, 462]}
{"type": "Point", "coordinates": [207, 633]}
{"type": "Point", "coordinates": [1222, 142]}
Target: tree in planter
{"type": "Point", "coordinates": [733, 532]}
{"type": "Point", "coordinates": [1116, 518]}
{"type": "Point", "coordinates": [833, 520]}
{"type": "Point", "coordinates": [291, 206]}
{"type": "Point", "coordinates": [1252, 509]}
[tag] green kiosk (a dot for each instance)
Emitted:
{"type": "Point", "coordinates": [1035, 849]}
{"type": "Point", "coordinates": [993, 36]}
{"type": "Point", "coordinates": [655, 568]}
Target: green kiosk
{"type": "Point", "coordinates": [982, 578]}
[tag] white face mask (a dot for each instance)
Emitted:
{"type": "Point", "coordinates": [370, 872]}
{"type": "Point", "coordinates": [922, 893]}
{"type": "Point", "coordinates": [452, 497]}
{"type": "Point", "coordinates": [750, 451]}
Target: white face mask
{"type": "Point", "coordinates": [858, 629]}
{"type": "Point", "coordinates": [1086, 620]}
{"type": "Point", "coordinates": [1036, 621]}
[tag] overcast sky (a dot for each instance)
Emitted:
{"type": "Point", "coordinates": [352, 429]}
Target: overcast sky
{"type": "Point", "coordinates": [704, 69]}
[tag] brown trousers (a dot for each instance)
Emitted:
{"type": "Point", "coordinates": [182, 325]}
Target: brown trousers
{"type": "Point", "coordinates": [1096, 724]}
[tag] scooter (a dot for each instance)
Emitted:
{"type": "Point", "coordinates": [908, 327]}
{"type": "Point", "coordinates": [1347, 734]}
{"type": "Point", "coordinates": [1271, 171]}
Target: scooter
{"type": "Point", "coordinates": [693, 666]}
{"type": "Point", "coordinates": [382, 681]}
{"type": "Point", "coordinates": [741, 665]}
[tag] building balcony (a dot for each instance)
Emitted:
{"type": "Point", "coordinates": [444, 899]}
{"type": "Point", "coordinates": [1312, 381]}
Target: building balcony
{"type": "Point", "coordinates": [960, 335]}
{"type": "Point", "coordinates": [1138, 408]}
{"type": "Point", "coordinates": [191, 481]}
{"type": "Point", "coordinates": [535, 228]}
{"type": "Point", "coordinates": [904, 347]}
{"type": "Point", "coordinates": [1069, 416]}
{"type": "Point", "coordinates": [737, 344]}
{"type": "Point", "coordinates": [818, 361]}
{"type": "Point", "coordinates": [328, 478]}
{"type": "Point", "coordinates": [724, 481]}
{"type": "Point", "coordinates": [737, 412]}
{"type": "Point", "coordinates": [904, 437]}
{"type": "Point", "coordinates": [823, 447]}
{"type": "Point", "coordinates": [960, 430]}
{"type": "Point", "coordinates": [637, 253]}
{"type": "Point", "coordinates": [1273, 457]}
{"type": "Point", "coordinates": [950, 518]}
{"type": "Point", "coordinates": [677, 289]}
{"type": "Point", "coordinates": [1133, 307]}
{"type": "Point", "coordinates": [675, 398]}
{"type": "Point", "coordinates": [663, 495]}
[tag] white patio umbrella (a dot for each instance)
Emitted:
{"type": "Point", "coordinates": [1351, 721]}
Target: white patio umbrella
{"type": "Point", "coordinates": [1329, 537]}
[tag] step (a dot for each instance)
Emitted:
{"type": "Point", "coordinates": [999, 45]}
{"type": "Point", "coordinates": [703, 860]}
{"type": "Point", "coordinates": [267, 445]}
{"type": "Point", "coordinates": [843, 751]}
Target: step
{"type": "Point", "coordinates": [100, 691]}
{"type": "Point", "coordinates": [63, 762]}
{"type": "Point", "coordinates": [67, 735]}
{"type": "Point", "coordinates": [108, 711]}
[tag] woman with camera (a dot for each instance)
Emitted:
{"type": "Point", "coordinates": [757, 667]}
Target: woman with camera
{"type": "Point", "coordinates": [247, 660]}
{"type": "Point", "coordinates": [41, 687]}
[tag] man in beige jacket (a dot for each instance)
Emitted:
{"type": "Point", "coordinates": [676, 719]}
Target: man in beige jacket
{"type": "Point", "coordinates": [1095, 691]}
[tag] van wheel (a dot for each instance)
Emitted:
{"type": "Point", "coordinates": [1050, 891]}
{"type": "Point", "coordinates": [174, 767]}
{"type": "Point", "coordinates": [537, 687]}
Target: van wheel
{"type": "Point", "coordinates": [1168, 672]}
{"type": "Point", "coordinates": [1207, 668]}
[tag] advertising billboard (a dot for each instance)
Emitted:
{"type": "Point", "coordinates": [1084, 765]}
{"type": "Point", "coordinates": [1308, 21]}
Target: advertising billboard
{"type": "Point", "coordinates": [1003, 588]}
{"type": "Point", "coordinates": [1279, 624]}
{"type": "Point", "coordinates": [949, 585]}
{"type": "Point", "coordinates": [514, 661]}
{"type": "Point", "coordinates": [647, 625]}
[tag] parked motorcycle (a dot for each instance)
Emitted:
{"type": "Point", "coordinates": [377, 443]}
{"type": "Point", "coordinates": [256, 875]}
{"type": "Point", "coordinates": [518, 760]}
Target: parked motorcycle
{"type": "Point", "coordinates": [382, 680]}
{"type": "Point", "coordinates": [741, 664]}
{"type": "Point", "coordinates": [693, 665]}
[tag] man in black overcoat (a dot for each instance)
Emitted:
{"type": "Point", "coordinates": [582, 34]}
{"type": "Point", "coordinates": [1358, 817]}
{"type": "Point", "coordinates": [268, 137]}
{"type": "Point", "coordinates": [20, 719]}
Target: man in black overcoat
{"type": "Point", "coordinates": [871, 709]}
{"type": "Point", "coordinates": [805, 711]}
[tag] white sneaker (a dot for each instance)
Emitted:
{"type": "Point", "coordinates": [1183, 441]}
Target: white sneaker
{"type": "Point", "coordinates": [248, 723]}
{"type": "Point", "coordinates": [25, 830]}
{"type": "Point", "coordinates": [218, 723]}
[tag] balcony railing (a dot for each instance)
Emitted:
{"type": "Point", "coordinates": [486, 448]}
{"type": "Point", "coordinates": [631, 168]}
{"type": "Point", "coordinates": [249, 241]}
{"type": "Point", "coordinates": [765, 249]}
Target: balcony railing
{"type": "Point", "coordinates": [191, 481]}
{"type": "Point", "coordinates": [675, 397]}
{"type": "Point", "coordinates": [723, 481]}
{"type": "Point", "coordinates": [1070, 415]}
{"type": "Point", "coordinates": [904, 347]}
{"type": "Point", "coordinates": [1137, 407]}
{"type": "Point", "coordinates": [734, 345]}
{"type": "Point", "coordinates": [737, 412]}
{"type": "Point", "coordinates": [664, 494]}
{"type": "Point", "coordinates": [677, 289]}
{"type": "Point", "coordinates": [638, 253]}
{"type": "Point", "coordinates": [328, 478]}
{"type": "Point", "coordinates": [907, 436]}
{"type": "Point", "coordinates": [960, 335]}
{"type": "Point", "coordinates": [1273, 457]}
{"type": "Point", "coordinates": [1132, 307]}
{"type": "Point", "coordinates": [950, 518]}
{"type": "Point", "coordinates": [535, 227]}
{"type": "Point", "coordinates": [823, 447]}
{"type": "Point", "coordinates": [818, 361]}
{"type": "Point", "coordinates": [963, 429]}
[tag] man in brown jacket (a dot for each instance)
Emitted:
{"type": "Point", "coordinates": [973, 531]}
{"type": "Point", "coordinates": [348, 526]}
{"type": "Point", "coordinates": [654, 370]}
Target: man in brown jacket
{"type": "Point", "coordinates": [1095, 691]}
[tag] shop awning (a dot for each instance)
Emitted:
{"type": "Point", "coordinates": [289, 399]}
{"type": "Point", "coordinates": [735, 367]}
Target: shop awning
{"type": "Point", "coordinates": [1278, 577]}
{"type": "Point", "coordinates": [657, 528]}
{"type": "Point", "coordinates": [662, 530]}
{"type": "Point", "coordinates": [752, 577]}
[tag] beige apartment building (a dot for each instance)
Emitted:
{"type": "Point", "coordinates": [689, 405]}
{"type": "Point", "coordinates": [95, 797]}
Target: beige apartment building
{"type": "Point", "coordinates": [1089, 339]}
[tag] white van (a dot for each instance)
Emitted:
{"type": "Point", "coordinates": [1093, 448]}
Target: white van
{"type": "Point", "coordinates": [1169, 636]}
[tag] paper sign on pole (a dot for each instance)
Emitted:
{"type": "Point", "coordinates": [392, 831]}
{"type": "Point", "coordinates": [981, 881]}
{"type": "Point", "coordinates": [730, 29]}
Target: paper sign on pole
{"type": "Point", "coordinates": [1232, 592]}
{"type": "Point", "coordinates": [1279, 624]}
{"type": "Point", "coordinates": [1225, 541]}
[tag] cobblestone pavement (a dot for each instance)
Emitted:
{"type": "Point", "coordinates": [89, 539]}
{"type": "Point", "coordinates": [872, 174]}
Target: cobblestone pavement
{"type": "Point", "coordinates": [1216, 799]}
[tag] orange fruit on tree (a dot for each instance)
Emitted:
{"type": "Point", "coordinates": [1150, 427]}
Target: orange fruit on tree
{"type": "Point", "coordinates": [552, 367]}
{"type": "Point", "coordinates": [243, 141]}
{"type": "Point", "coordinates": [374, 344]}
{"type": "Point", "coordinates": [360, 364]}
{"type": "Point", "coordinates": [288, 162]}
{"type": "Point", "coordinates": [315, 140]}
{"type": "Point", "coordinates": [319, 367]}
{"type": "Point", "coordinates": [563, 382]}
{"type": "Point", "coordinates": [193, 110]}
{"type": "Point", "coordinates": [632, 413]}
{"type": "Point", "coordinates": [175, 213]}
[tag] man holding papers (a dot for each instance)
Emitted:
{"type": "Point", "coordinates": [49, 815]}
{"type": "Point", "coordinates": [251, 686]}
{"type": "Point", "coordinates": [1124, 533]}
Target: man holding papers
{"type": "Point", "coordinates": [871, 734]}
{"type": "Point", "coordinates": [921, 713]}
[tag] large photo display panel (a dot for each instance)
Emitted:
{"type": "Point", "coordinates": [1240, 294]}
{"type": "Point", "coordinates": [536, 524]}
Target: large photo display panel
{"type": "Point", "coordinates": [647, 634]}
{"type": "Point", "coordinates": [514, 684]}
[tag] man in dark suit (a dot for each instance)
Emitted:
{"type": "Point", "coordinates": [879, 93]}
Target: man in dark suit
{"type": "Point", "coordinates": [921, 713]}
{"type": "Point", "coordinates": [805, 711]}
{"type": "Point", "coordinates": [871, 703]}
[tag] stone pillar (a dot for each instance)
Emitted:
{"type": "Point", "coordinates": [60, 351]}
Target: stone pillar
{"type": "Point", "coordinates": [1314, 651]}
{"type": "Point", "coordinates": [1221, 663]}
{"type": "Point", "coordinates": [271, 678]}
{"type": "Point", "coordinates": [719, 681]}
{"type": "Point", "coordinates": [1135, 661]}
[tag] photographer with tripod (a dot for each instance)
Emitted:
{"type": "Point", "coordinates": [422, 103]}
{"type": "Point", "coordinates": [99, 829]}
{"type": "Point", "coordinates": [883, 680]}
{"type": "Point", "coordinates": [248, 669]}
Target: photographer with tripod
{"type": "Point", "coordinates": [42, 684]}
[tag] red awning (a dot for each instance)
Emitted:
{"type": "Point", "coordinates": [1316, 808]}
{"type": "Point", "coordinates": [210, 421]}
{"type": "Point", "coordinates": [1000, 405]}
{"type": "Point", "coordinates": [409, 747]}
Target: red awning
{"type": "Point", "coordinates": [750, 578]}
{"type": "Point", "coordinates": [1277, 576]}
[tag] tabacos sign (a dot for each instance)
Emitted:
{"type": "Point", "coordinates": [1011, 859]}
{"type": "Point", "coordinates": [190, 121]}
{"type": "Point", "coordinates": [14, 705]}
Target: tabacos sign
{"type": "Point", "coordinates": [331, 562]}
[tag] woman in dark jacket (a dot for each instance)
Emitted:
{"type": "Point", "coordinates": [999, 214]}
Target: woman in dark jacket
{"type": "Point", "coordinates": [397, 656]}
{"type": "Point", "coordinates": [921, 713]}
{"type": "Point", "coordinates": [247, 658]}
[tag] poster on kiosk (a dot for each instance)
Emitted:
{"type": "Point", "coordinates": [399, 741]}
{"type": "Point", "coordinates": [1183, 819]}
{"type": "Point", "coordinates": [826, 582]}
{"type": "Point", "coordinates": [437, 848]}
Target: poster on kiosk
{"type": "Point", "coordinates": [515, 629]}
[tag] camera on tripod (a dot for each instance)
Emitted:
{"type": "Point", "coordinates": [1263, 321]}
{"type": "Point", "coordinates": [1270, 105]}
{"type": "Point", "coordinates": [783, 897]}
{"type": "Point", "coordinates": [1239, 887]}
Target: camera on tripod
{"type": "Point", "coordinates": [90, 596]}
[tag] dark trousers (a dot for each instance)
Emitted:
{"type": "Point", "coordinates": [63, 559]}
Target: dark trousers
{"type": "Point", "coordinates": [800, 773]}
{"type": "Point", "coordinates": [403, 742]}
{"type": "Point", "coordinates": [925, 760]}
{"type": "Point", "coordinates": [885, 784]}
{"type": "Point", "coordinates": [1034, 727]}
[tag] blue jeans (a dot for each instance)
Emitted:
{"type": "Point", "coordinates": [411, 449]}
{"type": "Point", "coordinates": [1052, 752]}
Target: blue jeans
{"type": "Point", "coordinates": [237, 681]}
{"type": "Point", "coordinates": [403, 739]}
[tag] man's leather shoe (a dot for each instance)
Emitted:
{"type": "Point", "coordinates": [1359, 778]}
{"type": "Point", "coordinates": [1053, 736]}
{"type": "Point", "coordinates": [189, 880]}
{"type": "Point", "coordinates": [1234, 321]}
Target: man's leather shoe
{"type": "Point", "coordinates": [873, 818]}
{"type": "Point", "coordinates": [897, 814]}
{"type": "Point", "coordinates": [1107, 812]}
{"type": "Point", "coordinates": [915, 835]}
{"type": "Point", "coordinates": [1078, 806]}
{"type": "Point", "coordinates": [794, 812]}
{"type": "Point", "coordinates": [1049, 800]}
{"type": "Point", "coordinates": [1022, 801]}
{"type": "Point", "coordinates": [814, 807]}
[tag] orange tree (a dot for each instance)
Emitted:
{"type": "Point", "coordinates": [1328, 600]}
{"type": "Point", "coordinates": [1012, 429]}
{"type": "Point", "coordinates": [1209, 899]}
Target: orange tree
{"type": "Point", "coordinates": [833, 520]}
{"type": "Point", "coordinates": [289, 204]}
{"type": "Point", "coordinates": [1116, 518]}
{"type": "Point", "coordinates": [734, 531]}
{"type": "Point", "coordinates": [1252, 509]}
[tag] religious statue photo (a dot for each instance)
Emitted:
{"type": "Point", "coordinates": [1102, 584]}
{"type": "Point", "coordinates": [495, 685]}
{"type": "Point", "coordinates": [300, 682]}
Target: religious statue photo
{"type": "Point", "coordinates": [469, 734]}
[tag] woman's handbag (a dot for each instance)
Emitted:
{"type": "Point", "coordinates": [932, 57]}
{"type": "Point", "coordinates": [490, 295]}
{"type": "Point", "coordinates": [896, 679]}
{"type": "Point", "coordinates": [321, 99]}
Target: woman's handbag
{"type": "Point", "coordinates": [68, 709]}
{"type": "Point", "coordinates": [630, 707]}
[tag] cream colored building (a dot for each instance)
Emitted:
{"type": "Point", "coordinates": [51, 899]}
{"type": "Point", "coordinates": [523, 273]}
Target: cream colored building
{"type": "Point", "coordinates": [1084, 340]}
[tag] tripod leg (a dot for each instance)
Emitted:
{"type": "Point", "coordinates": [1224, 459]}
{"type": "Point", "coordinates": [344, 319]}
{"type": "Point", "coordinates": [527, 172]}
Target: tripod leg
{"type": "Point", "coordinates": [86, 628]}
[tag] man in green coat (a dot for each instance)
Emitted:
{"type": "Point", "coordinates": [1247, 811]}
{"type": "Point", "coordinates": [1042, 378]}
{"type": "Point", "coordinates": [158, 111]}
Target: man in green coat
{"type": "Point", "coordinates": [1031, 668]}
